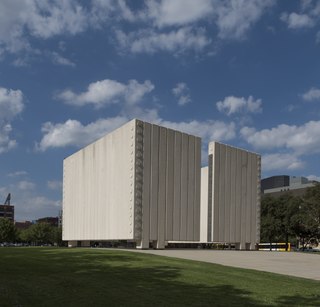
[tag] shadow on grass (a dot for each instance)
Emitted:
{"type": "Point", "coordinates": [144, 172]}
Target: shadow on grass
{"type": "Point", "coordinates": [49, 277]}
{"type": "Point", "coordinates": [299, 300]}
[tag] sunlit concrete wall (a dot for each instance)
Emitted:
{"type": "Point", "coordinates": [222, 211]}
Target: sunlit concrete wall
{"type": "Point", "coordinates": [204, 205]}
{"type": "Point", "coordinates": [233, 196]}
{"type": "Point", "coordinates": [140, 182]}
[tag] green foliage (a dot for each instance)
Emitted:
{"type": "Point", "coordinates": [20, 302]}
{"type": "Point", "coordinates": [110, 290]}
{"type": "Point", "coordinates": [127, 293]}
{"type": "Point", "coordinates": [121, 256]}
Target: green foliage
{"type": "Point", "coordinates": [7, 230]}
{"type": "Point", "coordinates": [289, 217]}
{"type": "Point", "coordinates": [42, 233]}
{"type": "Point", "coordinates": [101, 277]}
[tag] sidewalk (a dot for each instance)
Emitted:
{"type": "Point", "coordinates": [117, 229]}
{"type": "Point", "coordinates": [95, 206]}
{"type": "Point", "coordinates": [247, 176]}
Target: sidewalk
{"type": "Point", "coordinates": [306, 265]}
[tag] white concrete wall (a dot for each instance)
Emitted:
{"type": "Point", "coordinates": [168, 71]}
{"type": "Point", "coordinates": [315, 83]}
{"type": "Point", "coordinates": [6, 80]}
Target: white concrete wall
{"type": "Point", "coordinates": [171, 186]}
{"type": "Point", "coordinates": [234, 196]}
{"type": "Point", "coordinates": [204, 205]}
{"type": "Point", "coordinates": [98, 188]}
{"type": "Point", "coordinates": [140, 182]}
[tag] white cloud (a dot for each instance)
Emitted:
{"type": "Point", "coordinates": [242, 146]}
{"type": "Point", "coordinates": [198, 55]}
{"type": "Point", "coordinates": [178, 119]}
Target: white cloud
{"type": "Point", "coordinates": [312, 94]}
{"type": "Point", "coordinates": [182, 92]}
{"type": "Point", "coordinates": [54, 185]}
{"type": "Point", "coordinates": [26, 185]}
{"type": "Point", "coordinates": [11, 105]}
{"type": "Point", "coordinates": [209, 130]}
{"type": "Point", "coordinates": [304, 139]}
{"type": "Point", "coordinates": [41, 19]}
{"type": "Point", "coordinates": [231, 105]}
{"type": "Point", "coordinates": [108, 91]}
{"type": "Point", "coordinates": [60, 60]}
{"type": "Point", "coordinates": [6, 143]}
{"type": "Point", "coordinates": [17, 174]}
{"type": "Point", "coordinates": [235, 17]}
{"type": "Point", "coordinates": [279, 161]}
{"type": "Point", "coordinates": [178, 12]}
{"type": "Point", "coordinates": [72, 132]}
{"type": "Point", "coordinates": [151, 41]}
{"type": "Point", "coordinates": [297, 21]}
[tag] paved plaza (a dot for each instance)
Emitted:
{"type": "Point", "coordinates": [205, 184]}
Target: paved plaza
{"type": "Point", "coordinates": [306, 265]}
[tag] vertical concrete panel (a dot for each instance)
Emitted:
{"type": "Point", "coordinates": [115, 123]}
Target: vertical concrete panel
{"type": "Point", "coordinates": [154, 183]}
{"type": "Point", "coordinates": [258, 204]}
{"type": "Point", "coordinates": [197, 186]}
{"type": "Point", "coordinates": [146, 185]}
{"type": "Point", "coordinates": [204, 205]}
{"type": "Point", "coordinates": [162, 185]}
{"type": "Point", "coordinates": [222, 181]}
{"type": "Point", "coordinates": [184, 187]}
{"type": "Point", "coordinates": [238, 196]}
{"type": "Point", "coordinates": [216, 180]}
{"type": "Point", "coordinates": [233, 196]}
{"type": "Point", "coordinates": [191, 187]}
{"type": "Point", "coordinates": [244, 163]}
{"type": "Point", "coordinates": [254, 179]}
{"type": "Point", "coordinates": [249, 199]}
{"type": "Point", "coordinates": [177, 186]}
{"type": "Point", "coordinates": [227, 193]}
{"type": "Point", "coordinates": [170, 185]}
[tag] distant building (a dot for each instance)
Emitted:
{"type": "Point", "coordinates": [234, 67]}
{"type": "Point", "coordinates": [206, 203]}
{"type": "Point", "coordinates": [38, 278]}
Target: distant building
{"type": "Point", "coordinates": [279, 185]}
{"type": "Point", "coordinates": [23, 225]}
{"type": "Point", "coordinates": [7, 211]}
{"type": "Point", "coordinates": [53, 221]}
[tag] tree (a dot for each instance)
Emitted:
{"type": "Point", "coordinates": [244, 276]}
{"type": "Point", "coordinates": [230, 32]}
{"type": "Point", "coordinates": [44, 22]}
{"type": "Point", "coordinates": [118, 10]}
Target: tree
{"type": "Point", "coordinates": [40, 233]}
{"type": "Point", "coordinates": [7, 230]}
{"type": "Point", "coordinates": [307, 222]}
{"type": "Point", "coordinates": [270, 223]}
{"type": "Point", "coordinates": [278, 218]}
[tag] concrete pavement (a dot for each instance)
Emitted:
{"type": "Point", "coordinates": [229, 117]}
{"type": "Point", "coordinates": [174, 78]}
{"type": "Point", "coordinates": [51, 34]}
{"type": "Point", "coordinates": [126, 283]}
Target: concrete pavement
{"type": "Point", "coordinates": [306, 265]}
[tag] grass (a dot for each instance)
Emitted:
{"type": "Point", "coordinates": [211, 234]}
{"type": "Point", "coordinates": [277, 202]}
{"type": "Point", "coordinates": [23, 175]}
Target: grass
{"type": "Point", "coordinates": [102, 277]}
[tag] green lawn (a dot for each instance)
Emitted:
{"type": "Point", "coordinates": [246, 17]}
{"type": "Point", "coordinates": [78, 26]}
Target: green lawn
{"type": "Point", "coordinates": [102, 277]}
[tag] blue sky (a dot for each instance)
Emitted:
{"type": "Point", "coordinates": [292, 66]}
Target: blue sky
{"type": "Point", "coordinates": [245, 73]}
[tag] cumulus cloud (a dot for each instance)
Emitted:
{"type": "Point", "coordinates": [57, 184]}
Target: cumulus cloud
{"type": "Point", "coordinates": [11, 105]}
{"type": "Point", "coordinates": [54, 185]}
{"type": "Point", "coordinates": [173, 26]}
{"type": "Point", "coordinates": [231, 105]}
{"type": "Point", "coordinates": [178, 12]}
{"type": "Point", "coordinates": [41, 19]}
{"type": "Point", "coordinates": [73, 133]}
{"type": "Point", "coordinates": [312, 94]}
{"type": "Point", "coordinates": [108, 91]}
{"type": "Point", "coordinates": [182, 93]}
{"type": "Point", "coordinates": [6, 143]}
{"type": "Point", "coordinates": [279, 161]}
{"type": "Point", "coordinates": [60, 60]}
{"type": "Point", "coordinates": [235, 17]}
{"type": "Point", "coordinates": [151, 41]}
{"type": "Point", "coordinates": [307, 17]}
{"type": "Point", "coordinates": [304, 139]}
{"type": "Point", "coordinates": [17, 174]}
{"type": "Point", "coordinates": [26, 185]}
{"type": "Point", "coordinates": [297, 21]}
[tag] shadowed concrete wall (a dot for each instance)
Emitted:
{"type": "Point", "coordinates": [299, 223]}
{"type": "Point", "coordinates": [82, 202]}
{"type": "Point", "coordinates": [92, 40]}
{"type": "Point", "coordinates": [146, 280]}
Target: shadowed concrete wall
{"type": "Point", "coordinates": [233, 196]}
{"type": "Point", "coordinates": [140, 182]}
